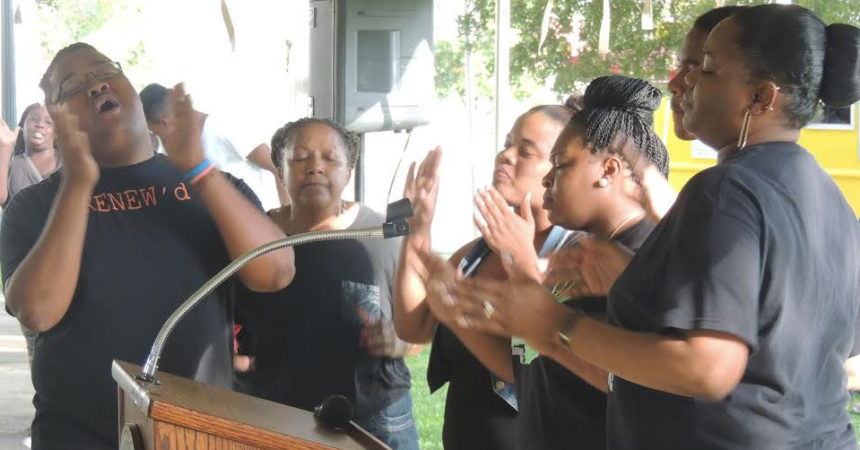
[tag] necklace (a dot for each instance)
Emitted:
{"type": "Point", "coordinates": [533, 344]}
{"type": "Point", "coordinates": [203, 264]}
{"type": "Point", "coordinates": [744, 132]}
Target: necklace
{"type": "Point", "coordinates": [628, 219]}
{"type": "Point", "coordinates": [563, 290]}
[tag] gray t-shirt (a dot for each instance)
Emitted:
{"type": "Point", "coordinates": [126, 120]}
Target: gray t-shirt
{"type": "Point", "coordinates": [763, 247]}
{"type": "Point", "coordinates": [22, 173]}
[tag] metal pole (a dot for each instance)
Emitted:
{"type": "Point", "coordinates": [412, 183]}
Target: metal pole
{"type": "Point", "coordinates": [7, 55]}
{"type": "Point", "coordinates": [503, 59]}
{"type": "Point", "coordinates": [358, 172]}
{"type": "Point", "coordinates": [470, 107]}
{"type": "Point", "coordinates": [469, 99]}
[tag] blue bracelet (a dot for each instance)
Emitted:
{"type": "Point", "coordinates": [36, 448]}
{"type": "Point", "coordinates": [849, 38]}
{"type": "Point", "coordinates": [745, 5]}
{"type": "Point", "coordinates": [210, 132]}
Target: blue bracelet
{"type": "Point", "coordinates": [197, 170]}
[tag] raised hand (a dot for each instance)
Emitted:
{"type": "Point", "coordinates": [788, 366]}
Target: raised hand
{"type": "Point", "coordinates": [7, 138]}
{"type": "Point", "coordinates": [510, 235]}
{"type": "Point", "coordinates": [422, 187]}
{"type": "Point", "coordinates": [411, 313]}
{"type": "Point", "coordinates": [79, 166]}
{"type": "Point", "coordinates": [652, 189]}
{"type": "Point", "coordinates": [182, 140]}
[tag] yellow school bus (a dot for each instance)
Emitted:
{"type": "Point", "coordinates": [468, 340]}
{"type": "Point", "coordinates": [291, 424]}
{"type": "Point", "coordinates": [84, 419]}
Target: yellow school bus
{"type": "Point", "coordinates": [836, 147]}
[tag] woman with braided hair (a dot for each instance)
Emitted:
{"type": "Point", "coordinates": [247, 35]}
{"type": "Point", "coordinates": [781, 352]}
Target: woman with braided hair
{"type": "Point", "coordinates": [589, 187]}
{"type": "Point", "coordinates": [729, 327]}
{"type": "Point", "coordinates": [330, 332]}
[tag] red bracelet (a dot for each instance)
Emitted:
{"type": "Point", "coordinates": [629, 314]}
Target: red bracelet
{"type": "Point", "coordinates": [201, 175]}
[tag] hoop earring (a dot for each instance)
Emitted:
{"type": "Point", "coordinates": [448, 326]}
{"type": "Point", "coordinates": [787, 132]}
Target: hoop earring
{"type": "Point", "coordinates": [745, 130]}
{"type": "Point", "coordinates": [603, 182]}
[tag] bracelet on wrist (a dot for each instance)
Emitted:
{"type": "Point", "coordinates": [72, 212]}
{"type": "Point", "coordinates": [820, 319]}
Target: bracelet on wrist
{"type": "Point", "coordinates": [202, 175]}
{"type": "Point", "coordinates": [568, 326]}
{"type": "Point", "coordinates": [189, 176]}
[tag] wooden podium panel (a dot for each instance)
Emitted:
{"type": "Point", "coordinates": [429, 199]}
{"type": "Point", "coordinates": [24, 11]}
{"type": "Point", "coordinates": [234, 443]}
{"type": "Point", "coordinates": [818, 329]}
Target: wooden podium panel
{"type": "Point", "coordinates": [181, 414]}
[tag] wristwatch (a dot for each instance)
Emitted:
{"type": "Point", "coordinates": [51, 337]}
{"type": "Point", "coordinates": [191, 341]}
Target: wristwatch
{"type": "Point", "coordinates": [568, 326]}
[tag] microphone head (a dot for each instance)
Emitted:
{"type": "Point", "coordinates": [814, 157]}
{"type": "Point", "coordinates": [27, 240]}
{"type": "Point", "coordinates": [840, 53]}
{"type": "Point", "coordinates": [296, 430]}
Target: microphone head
{"type": "Point", "coordinates": [398, 210]}
{"type": "Point", "coordinates": [334, 412]}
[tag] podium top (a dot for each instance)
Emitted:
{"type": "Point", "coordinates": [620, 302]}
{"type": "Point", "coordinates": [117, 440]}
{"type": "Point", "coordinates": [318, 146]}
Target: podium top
{"type": "Point", "coordinates": [222, 412]}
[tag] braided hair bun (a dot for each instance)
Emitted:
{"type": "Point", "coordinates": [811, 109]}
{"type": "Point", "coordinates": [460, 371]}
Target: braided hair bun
{"type": "Point", "coordinates": [624, 94]}
{"type": "Point", "coordinates": [618, 106]}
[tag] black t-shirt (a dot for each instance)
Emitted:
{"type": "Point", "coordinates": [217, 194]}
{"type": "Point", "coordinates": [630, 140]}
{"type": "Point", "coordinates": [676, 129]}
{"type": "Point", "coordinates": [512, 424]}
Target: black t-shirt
{"type": "Point", "coordinates": [764, 247]}
{"type": "Point", "coordinates": [306, 337]}
{"type": "Point", "coordinates": [557, 409]}
{"type": "Point", "coordinates": [475, 416]}
{"type": "Point", "coordinates": [150, 243]}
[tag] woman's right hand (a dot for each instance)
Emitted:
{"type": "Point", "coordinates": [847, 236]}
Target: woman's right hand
{"type": "Point", "coordinates": [182, 140]}
{"type": "Point", "coordinates": [79, 166]}
{"type": "Point", "coordinates": [509, 234]}
{"type": "Point", "coordinates": [7, 139]}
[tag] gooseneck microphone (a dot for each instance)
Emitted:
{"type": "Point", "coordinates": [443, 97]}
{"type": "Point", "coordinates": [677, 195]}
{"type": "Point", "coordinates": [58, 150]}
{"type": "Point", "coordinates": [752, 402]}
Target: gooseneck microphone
{"type": "Point", "coordinates": [395, 225]}
{"type": "Point", "coordinates": [334, 412]}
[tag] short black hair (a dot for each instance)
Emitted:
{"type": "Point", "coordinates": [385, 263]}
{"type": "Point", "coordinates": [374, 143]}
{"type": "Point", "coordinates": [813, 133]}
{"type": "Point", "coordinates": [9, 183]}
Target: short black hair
{"type": "Point", "coordinates": [285, 138]}
{"type": "Point", "coordinates": [44, 83]}
{"type": "Point", "coordinates": [810, 61]}
{"type": "Point", "coordinates": [707, 21]}
{"type": "Point", "coordinates": [618, 107]}
{"type": "Point", "coordinates": [153, 98]}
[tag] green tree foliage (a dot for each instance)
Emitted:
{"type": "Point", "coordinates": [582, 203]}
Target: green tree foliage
{"type": "Point", "coordinates": [476, 31]}
{"type": "Point", "coordinates": [567, 59]}
{"type": "Point", "coordinates": [450, 69]}
{"type": "Point", "coordinates": [79, 17]}
{"type": "Point", "coordinates": [63, 22]}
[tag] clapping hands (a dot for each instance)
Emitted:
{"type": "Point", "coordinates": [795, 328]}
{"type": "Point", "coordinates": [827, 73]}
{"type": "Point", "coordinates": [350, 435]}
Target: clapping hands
{"type": "Point", "coordinates": [79, 166]}
{"type": "Point", "coordinates": [183, 137]}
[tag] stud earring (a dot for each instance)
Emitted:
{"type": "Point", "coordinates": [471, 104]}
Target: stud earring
{"type": "Point", "coordinates": [603, 182]}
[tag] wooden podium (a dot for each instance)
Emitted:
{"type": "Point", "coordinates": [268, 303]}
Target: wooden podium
{"type": "Point", "coordinates": [181, 414]}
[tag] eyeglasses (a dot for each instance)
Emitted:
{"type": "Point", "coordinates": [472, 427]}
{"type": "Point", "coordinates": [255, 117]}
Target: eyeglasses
{"type": "Point", "coordinates": [75, 83]}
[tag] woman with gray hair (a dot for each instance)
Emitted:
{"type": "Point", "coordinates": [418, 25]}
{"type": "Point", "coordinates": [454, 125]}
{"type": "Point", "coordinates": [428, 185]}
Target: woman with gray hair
{"type": "Point", "coordinates": [330, 331]}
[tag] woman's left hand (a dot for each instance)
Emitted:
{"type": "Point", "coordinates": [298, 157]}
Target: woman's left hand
{"type": "Point", "coordinates": [509, 308]}
{"type": "Point", "coordinates": [183, 138]}
{"type": "Point", "coordinates": [510, 235]}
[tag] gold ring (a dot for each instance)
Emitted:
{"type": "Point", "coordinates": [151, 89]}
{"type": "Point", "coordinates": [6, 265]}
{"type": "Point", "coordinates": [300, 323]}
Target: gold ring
{"type": "Point", "coordinates": [488, 309]}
